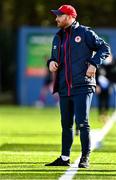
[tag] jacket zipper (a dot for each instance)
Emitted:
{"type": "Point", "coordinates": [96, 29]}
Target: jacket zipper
{"type": "Point", "coordinates": [66, 69]}
{"type": "Point", "coordinates": [70, 61]}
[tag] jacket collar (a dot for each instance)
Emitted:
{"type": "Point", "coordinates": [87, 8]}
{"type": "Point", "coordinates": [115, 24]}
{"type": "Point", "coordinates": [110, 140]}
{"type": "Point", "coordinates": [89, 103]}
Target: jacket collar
{"type": "Point", "coordinates": [74, 25]}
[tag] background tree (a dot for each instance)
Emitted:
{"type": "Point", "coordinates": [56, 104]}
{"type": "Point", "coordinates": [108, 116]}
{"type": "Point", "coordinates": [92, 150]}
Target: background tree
{"type": "Point", "coordinates": [17, 13]}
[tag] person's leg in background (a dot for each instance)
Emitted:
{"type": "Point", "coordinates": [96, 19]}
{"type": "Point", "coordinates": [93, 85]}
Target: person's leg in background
{"type": "Point", "coordinates": [77, 132]}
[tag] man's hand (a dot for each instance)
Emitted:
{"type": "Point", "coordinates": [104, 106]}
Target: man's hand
{"type": "Point", "coordinates": [91, 71]}
{"type": "Point", "coordinates": [53, 66]}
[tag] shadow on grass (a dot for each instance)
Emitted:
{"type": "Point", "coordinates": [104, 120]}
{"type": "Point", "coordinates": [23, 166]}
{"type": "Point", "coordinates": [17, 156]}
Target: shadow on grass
{"type": "Point", "coordinates": [89, 176]}
{"type": "Point", "coordinates": [103, 163]}
{"type": "Point", "coordinates": [34, 147]}
{"type": "Point", "coordinates": [22, 163]}
{"type": "Point", "coordinates": [33, 170]}
{"type": "Point", "coordinates": [29, 175]}
{"type": "Point", "coordinates": [28, 134]}
{"type": "Point", "coordinates": [50, 174]}
{"type": "Point", "coordinates": [106, 149]}
{"type": "Point", "coordinates": [45, 173]}
{"type": "Point", "coordinates": [98, 170]}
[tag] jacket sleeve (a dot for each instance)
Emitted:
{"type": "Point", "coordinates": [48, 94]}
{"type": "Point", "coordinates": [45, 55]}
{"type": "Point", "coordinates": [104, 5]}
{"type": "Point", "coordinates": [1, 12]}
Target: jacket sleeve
{"type": "Point", "coordinates": [98, 45]}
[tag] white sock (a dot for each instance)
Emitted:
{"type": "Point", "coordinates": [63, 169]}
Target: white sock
{"type": "Point", "coordinates": [65, 158]}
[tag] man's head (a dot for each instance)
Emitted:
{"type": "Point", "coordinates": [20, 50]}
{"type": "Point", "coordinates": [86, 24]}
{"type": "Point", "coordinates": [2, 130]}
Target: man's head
{"type": "Point", "coordinates": [65, 15]}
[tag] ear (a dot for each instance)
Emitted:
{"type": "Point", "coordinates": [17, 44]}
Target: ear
{"type": "Point", "coordinates": [69, 17]}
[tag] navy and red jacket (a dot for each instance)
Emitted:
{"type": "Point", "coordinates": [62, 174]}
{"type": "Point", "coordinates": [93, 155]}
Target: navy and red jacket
{"type": "Point", "coordinates": [73, 49]}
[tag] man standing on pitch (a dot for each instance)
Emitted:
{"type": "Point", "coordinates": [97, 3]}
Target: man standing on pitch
{"type": "Point", "coordinates": [74, 65]}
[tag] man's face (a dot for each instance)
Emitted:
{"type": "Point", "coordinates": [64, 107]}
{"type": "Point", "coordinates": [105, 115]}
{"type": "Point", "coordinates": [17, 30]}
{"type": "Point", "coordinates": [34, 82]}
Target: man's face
{"type": "Point", "coordinates": [62, 20]}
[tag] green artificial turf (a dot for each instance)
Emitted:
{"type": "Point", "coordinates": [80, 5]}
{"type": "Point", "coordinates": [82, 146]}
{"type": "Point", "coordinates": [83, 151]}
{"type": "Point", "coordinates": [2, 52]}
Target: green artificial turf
{"type": "Point", "coordinates": [31, 137]}
{"type": "Point", "coordinates": [102, 161]}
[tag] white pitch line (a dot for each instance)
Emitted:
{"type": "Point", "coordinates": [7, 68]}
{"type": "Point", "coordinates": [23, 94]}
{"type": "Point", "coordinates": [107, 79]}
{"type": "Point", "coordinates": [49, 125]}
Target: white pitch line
{"type": "Point", "coordinates": [96, 138]}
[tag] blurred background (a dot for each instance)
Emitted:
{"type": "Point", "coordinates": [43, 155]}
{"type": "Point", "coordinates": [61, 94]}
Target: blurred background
{"type": "Point", "coordinates": [26, 32]}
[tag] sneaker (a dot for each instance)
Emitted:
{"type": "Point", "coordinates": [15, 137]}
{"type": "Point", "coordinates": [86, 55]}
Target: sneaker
{"type": "Point", "coordinates": [59, 162]}
{"type": "Point", "coordinates": [84, 162]}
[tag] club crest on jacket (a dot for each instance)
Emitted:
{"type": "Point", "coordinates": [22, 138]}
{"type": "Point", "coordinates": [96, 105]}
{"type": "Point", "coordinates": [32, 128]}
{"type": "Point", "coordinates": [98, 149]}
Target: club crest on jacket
{"type": "Point", "coordinates": [77, 39]}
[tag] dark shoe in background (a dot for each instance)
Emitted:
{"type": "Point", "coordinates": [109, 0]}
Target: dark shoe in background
{"type": "Point", "coordinates": [77, 132]}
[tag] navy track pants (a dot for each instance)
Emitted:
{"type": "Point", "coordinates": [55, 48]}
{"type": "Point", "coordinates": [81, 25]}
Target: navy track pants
{"type": "Point", "coordinates": [78, 106]}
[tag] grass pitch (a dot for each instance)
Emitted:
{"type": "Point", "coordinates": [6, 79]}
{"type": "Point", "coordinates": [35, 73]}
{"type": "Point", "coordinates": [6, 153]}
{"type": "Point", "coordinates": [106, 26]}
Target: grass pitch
{"type": "Point", "coordinates": [31, 137]}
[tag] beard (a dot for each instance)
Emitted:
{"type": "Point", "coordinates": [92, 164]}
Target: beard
{"type": "Point", "coordinates": [61, 24]}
